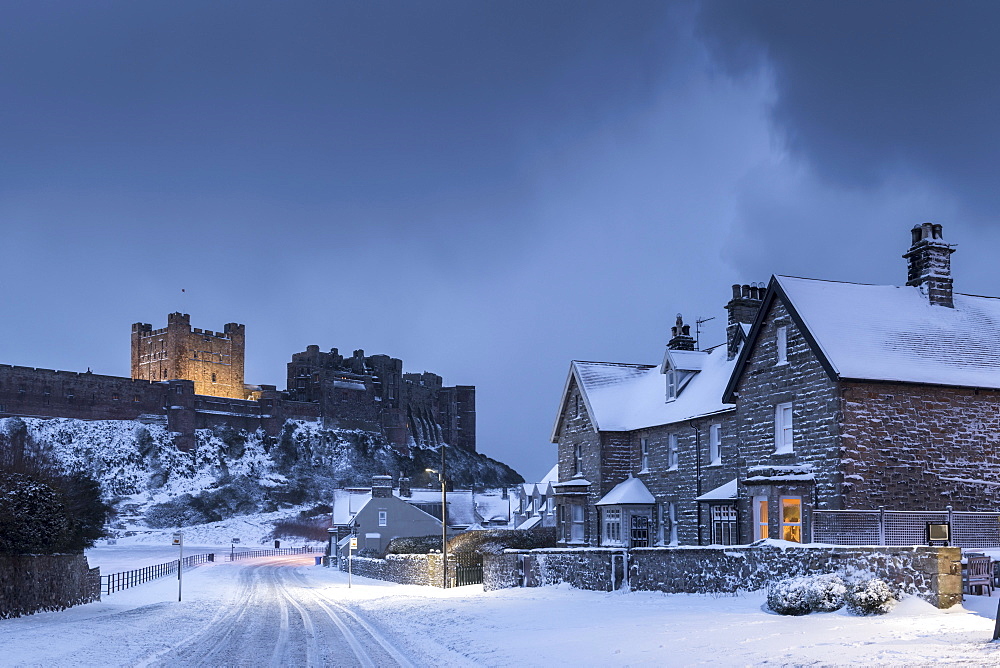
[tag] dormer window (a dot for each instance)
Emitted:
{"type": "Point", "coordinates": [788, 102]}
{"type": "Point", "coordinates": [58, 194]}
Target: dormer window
{"type": "Point", "coordinates": [671, 385]}
{"type": "Point", "coordinates": [781, 344]}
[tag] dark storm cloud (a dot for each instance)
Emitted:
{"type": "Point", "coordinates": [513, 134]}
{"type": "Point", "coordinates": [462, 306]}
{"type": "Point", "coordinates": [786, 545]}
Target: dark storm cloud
{"type": "Point", "coordinates": [869, 90]}
{"type": "Point", "coordinates": [357, 101]}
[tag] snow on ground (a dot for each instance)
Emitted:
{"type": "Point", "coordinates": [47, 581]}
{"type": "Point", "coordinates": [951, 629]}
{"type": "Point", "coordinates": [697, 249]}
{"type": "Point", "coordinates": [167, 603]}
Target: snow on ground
{"type": "Point", "coordinates": [549, 626]}
{"type": "Point", "coordinates": [153, 546]}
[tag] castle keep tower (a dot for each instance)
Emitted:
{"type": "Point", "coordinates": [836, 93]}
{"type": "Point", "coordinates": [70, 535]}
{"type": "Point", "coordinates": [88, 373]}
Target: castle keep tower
{"type": "Point", "coordinates": [213, 360]}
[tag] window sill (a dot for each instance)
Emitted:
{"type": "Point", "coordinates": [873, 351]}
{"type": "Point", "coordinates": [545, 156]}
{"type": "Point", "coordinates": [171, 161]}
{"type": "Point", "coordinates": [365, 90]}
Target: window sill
{"type": "Point", "coordinates": [714, 464]}
{"type": "Point", "coordinates": [785, 363]}
{"type": "Point", "coordinates": [643, 472]}
{"type": "Point", "coordinates": [672, 468]}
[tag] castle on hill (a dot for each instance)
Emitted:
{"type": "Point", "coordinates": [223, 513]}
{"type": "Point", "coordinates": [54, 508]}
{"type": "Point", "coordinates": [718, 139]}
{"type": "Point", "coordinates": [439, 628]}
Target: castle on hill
{"type": "Point", "coordinates": [187, 378]}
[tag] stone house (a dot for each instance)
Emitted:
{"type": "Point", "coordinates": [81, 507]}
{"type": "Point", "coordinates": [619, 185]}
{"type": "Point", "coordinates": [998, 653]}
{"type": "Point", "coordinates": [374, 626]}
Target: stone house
{"type": "Point", "coordinates": [646, 452]}
{"type": "Point", "coordinates": [854, 396]}
{"type": "Point", "coordinates": [829, 396]}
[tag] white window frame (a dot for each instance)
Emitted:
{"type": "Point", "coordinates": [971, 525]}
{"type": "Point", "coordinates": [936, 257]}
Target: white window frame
{"type": "Point", "coordinates": [578, 459]}
{"type": "Point", "coordinates": [781, 518]}
{"type": "Point", "coordinates": [715, 445]}
{"type": "Point", "coordinates": [383, 518]}
{"type": "Point", "coordinates": [672, 517]}
{"type": "Point", "coordinates": [671, 384]}
{"type": "Point", "coordinates": [781, 344]}
{"type": "Point", "coordinates": [613, 525]}
{"type": "Point", "coordinates": [784, 437]}
{"type": "Point", "coordinates": [673, 452]}
{"type": "Point", "coordinates": [643, 455]}
{"type": "Point", "coordinates": [761, 528]}
{"type": "Point", "coordinates": [578, 524]}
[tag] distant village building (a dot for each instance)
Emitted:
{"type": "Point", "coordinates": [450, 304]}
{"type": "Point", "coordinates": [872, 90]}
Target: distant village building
{"type": "Point", "coordinates": [827, 396]}
{"type": "Point", "coordinates": [187, 378]}
{"type": "Point", "coordinates": [533, 503]}
{"type": "Point", "coordinates": [378, 514]}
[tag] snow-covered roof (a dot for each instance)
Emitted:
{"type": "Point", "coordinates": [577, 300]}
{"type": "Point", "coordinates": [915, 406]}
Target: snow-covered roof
{"type": "Point", "coordinates": [346, 504]}
{"type": "Point", "coordinates": [551, 476]}
{"type": "Point", "coordinates": [624, 397]}
{"type": "Point", "coordinates": [572, 482]}
{"type": "Point", "coordinates": [721, 493]}
{"type": "Point", "coordinates": [885, 332]}
{"type": "Point", "coordinates": [683, 360]}
{"type": "Point", "coordinates": [530, 522]}
{"type": "Point", "coordinates": [629, 492]}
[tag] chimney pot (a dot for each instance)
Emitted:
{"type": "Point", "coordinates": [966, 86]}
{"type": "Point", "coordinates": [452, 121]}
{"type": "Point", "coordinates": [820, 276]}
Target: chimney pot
{"type": "Point", "coordinates": [929, 264]}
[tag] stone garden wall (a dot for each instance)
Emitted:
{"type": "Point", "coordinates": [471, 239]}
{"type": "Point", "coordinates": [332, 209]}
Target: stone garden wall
{"type": "Point", "coordinates": [418, 569]}
{"type": "Point", "coordinates": [32, 583]}
{"type": "Point", "coordinates": [932, 573]}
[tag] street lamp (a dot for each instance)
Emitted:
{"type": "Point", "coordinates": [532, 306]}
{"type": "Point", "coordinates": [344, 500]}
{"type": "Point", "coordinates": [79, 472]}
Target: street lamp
{"type": "Point", "coordinates": [444, 521]}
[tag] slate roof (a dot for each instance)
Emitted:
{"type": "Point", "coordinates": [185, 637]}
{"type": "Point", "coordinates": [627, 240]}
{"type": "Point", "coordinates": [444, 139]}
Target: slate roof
{"type": "Point", "coordinates": [625, 397]}
{"type": "Point", "coordinates": [892, 333]}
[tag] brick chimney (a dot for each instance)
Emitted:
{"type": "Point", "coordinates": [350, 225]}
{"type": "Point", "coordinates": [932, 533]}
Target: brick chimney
{"type": "Point", "coordinates": [381, 486]}
{"type": "Point", "coordinates": [404, 487]}
{"type": "Point", "coordinates": [681, 336]}
{"type": "Point", "coordinates": [742, 309]}
{"type": "Point", "coordinates": [929, 264]}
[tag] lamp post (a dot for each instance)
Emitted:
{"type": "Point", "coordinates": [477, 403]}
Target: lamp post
{"type": "Point", "coordinates": [444, 521]}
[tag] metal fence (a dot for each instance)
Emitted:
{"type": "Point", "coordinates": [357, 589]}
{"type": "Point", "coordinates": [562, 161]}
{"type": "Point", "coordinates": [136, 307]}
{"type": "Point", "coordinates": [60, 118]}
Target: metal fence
{"type": "Point", "coordinates": [903, 527]}
{"type": "Point", "coordinates": [113, 582]}
{"type": "Point", "coordinates": [250, 554]}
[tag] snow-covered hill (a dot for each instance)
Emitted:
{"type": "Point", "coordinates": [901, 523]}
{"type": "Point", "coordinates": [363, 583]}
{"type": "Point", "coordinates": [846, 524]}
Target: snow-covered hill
{"type": "Point", "coordinates": [229, 472]}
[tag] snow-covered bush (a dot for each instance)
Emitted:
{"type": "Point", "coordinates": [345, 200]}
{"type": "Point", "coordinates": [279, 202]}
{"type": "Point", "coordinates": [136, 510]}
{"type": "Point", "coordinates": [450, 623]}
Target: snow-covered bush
{"type": "Point", "coordinates": [810, 593]}
{"type": "Point", "coordinates": [789, 597]}
{"type": "Point", "coordinates": [870, 597]}
{"type": "Point", "coordinates": [826, 592]}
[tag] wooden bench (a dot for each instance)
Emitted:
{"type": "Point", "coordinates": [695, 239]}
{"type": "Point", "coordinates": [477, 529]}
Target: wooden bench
{"type": "Point", "coordinates": [978, 573]}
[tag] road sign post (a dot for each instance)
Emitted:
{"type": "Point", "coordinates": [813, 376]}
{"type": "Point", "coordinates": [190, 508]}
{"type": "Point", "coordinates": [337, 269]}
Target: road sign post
{"type": "Point", "coordinates": [350, 553]}
{"type": "Point", "coordinates": [179, 542]}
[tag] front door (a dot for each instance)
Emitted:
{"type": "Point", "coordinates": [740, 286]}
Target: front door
{"type": "Point", "coordinates": [640, 531]}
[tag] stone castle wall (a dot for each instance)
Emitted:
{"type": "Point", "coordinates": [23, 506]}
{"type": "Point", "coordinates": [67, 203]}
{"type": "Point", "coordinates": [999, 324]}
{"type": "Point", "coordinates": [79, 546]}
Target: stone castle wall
{"type": "Point", "coordinates": [203, 370]}
{"type": "Point", "coordinates": [214, 361]}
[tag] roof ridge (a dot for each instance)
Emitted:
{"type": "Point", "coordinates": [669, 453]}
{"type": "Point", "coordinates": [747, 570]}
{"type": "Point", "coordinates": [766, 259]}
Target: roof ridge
{"type": "Point", "coordinates": [630, 364]}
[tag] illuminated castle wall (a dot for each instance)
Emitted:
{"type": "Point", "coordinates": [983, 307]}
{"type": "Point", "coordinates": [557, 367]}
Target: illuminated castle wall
{"type": "Point", "coordinates": [212, 360]}
{"type": "Point", "coordinates": [187, 379]}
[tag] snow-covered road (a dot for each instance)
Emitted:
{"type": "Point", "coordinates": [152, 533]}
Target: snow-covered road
{"type": "Point", "coordinates": [277, 617]}
{"type": "Point", "coordinates": [261, 612]}
{"type": "Point", "coordinates": [285, 611]}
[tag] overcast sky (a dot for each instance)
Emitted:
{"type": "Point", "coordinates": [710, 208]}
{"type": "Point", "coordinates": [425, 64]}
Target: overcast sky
{"type": "Point", "coordinates": [485, 190]}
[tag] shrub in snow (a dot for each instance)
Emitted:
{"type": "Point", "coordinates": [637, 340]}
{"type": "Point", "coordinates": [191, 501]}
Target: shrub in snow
{"type": "Point", "coordinates": [826, 592]}
{"type": "Point", "coordinates": [870, 597]}
{"type": "Point", "coordinates": [802, 595]}
{"type": "Point", "coordinates": [789, 597]}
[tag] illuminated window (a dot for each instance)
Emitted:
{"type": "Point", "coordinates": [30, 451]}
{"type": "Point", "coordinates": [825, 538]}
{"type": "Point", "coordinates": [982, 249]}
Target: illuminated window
{"type": "Point", "coordinates": [760, 517]}
{"type": "Point", "coordinates": [791, 519]}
